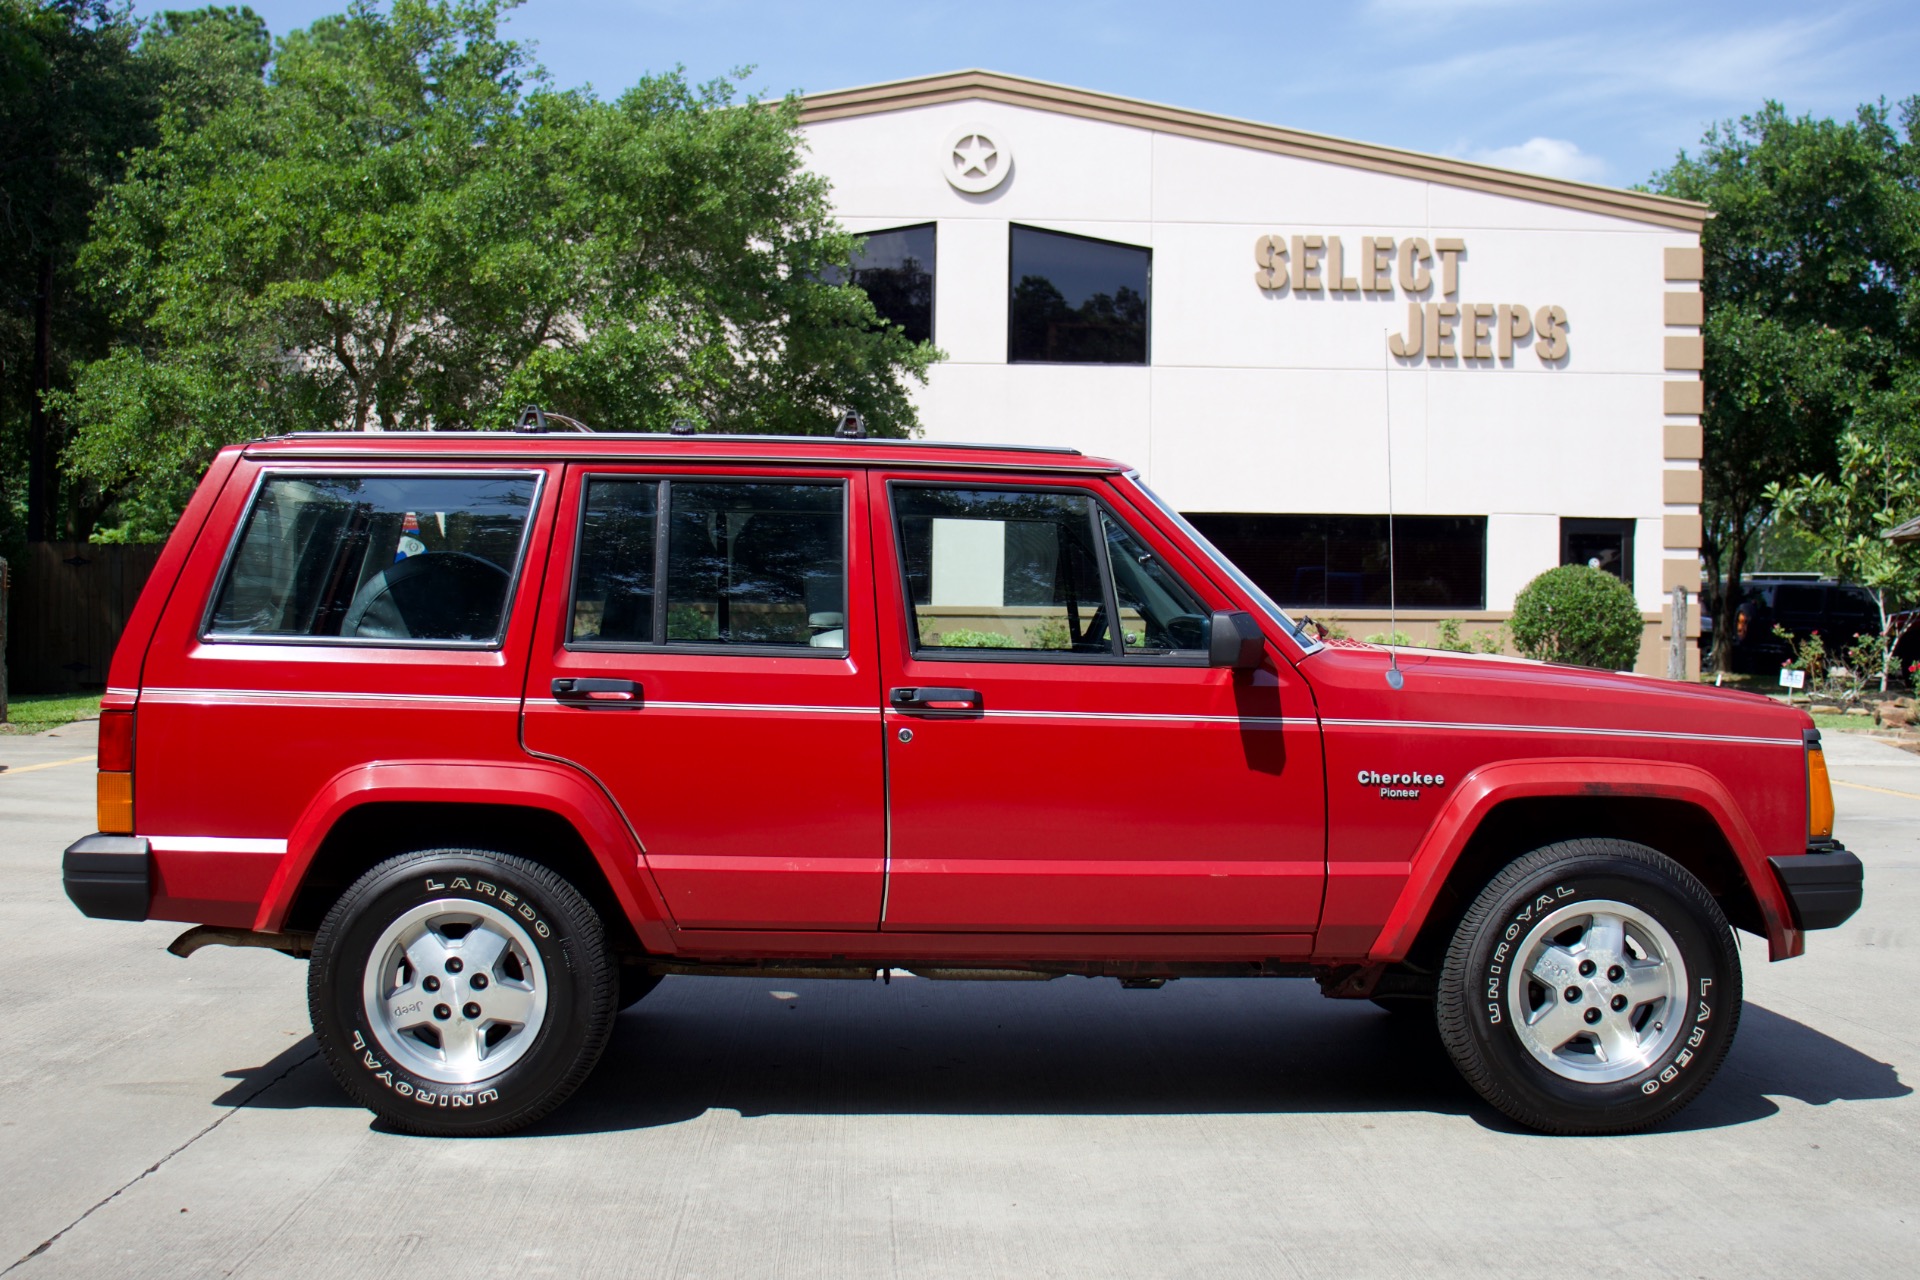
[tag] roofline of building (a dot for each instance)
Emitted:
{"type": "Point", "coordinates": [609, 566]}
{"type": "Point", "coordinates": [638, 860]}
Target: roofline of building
{"type": "Point", "coordinates": [993, 86]}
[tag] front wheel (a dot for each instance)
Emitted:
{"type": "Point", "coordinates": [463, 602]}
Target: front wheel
{"type": "Point", "coordinates": [461, 991]}
{"type": "Point", "coordinates": [1592, 987]}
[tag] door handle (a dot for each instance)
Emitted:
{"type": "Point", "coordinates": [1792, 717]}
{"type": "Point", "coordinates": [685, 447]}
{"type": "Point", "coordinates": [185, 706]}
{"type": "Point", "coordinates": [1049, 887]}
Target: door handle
{"type": "Point", "coordinates": [927, 698]}
{"type": "Point", "coordinates": [596, 691]}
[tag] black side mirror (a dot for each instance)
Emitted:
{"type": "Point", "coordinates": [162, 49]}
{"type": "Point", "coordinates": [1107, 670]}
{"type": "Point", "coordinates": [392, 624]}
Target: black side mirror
{"type": "Point", "coordinates": [1234, 640]}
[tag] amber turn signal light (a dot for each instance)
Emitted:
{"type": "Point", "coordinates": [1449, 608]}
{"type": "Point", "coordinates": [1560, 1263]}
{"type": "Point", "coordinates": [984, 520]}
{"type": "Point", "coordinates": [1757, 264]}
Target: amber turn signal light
{"type": "Point", "coordinates": [1819, 795]}
{"type": "Point", "coordinates": [113, 807]}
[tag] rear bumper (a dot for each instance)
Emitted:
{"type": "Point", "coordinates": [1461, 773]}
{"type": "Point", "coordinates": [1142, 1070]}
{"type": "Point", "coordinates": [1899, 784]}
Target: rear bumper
{"type": "Point", "coordinates": [1824, 885]}
{"type": "Point", "coordinates": [109, 877]}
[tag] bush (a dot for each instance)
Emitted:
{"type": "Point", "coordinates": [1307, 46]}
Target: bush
{"type": "Point", "coordinates": [1578, 615]}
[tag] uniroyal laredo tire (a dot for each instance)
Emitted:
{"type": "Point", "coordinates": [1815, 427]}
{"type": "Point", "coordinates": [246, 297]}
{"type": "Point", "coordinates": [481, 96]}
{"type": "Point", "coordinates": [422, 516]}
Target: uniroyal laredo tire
{"type": "Point", "coordinates": [461, 992]}
{"type": "Point", "coordinates": [1537, 953]}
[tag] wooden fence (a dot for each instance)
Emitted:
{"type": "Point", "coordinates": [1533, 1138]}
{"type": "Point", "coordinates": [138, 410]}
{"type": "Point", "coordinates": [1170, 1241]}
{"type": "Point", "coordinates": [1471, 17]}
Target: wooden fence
{"type": "Point", "coordinates": [70, 601]}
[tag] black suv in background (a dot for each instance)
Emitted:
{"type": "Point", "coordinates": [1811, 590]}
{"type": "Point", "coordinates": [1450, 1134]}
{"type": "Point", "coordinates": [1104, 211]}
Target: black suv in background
{"type": "Point", "coordinates": [1803, 603]}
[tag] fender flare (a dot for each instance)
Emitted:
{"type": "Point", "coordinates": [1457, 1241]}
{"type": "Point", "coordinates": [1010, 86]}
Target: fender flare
{"type": "Point", "coordinates": [1483, 789]}
{"type": "Point", "coordinates": [532, 785]}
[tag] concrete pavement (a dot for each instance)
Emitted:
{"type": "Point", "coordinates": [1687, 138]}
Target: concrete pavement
{"type": "Point", "coordinates": [161, 1117]}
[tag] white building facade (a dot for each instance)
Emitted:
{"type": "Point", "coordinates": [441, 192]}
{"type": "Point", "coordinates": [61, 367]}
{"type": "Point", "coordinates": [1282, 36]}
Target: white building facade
{"type": "Point", "coordinates": [1288, 334]}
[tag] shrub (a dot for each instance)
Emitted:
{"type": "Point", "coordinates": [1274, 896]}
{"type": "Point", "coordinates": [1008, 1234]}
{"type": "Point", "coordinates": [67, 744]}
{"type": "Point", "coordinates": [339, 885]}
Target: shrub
{"type": "Point", "coordinates": [1398, 638]}
{"type": "Point", "coordinates": [962, 638]}
{"type": "Point", "coordinates": [1578, 615]}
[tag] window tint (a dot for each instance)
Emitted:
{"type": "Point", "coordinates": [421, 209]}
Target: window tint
{"type": "Point", "coordinates": [376, 557]}
{"type": "Point", "coordinates": [997, 569]}
{"type": "Point", "coordinates": [613, 581]}
{"type": "Point", "coordinates": [1077, 301]}
{"type": "Point", "coordinates": [896, 269]}
{"type": "Point", "coordinates": [746, 564]}
{"type": "Point", "coordinates": [1327, 561]}
{"type": "Point", "coordinates": [1157, 612]}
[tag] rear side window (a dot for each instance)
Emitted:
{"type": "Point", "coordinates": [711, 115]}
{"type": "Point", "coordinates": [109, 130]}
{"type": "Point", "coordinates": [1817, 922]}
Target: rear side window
{"type": "Point", "coordinates": [757, 564]}
{"type": "Point", "coordinates": [393, 559]}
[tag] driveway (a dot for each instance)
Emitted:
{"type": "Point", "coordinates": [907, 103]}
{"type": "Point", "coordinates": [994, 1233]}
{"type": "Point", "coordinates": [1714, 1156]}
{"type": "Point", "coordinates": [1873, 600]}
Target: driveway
{"type": "Point", "coordinates": [162, 1117]}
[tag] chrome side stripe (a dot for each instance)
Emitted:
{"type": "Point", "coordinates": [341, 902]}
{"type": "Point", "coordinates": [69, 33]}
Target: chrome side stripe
{"type": "Point", "coordinates": [1258, 722]}
{"type": "Point", "coordinates": [299, 697]}
{"type": "Point", "coordinates": [1574, 730]}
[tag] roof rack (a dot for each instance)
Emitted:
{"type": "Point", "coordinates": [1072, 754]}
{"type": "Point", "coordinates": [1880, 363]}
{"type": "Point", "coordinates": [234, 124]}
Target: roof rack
{"type": "Point", "coordinates": [865, 442]}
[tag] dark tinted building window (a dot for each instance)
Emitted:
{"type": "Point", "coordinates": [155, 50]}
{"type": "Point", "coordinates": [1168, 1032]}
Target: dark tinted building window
{"type": "Point", "coordinates": [1325, 562]}
{"type": "Point", "coordinates": [896, 270]}
{"type": "Point", "coordinates": [1076, 300]}
{"type": "Point", "coordinates": [1604, 544]}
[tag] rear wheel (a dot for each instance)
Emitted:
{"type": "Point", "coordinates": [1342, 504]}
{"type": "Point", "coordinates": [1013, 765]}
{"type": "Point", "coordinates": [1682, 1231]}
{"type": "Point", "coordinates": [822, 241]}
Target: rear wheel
{"type": "Point", "coordinates": [461, 991]}
{"type": "Point", "coordinates": [1592, 987]}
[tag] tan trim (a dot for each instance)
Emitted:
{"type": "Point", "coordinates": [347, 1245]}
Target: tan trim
{"type": "Point", "coordinates": [1680, 532]}
{"type": "Point", "coordinates": [1686, 353]}
{"type": "Point", "coordinates": [1686, 308]}
{"type": "Point", "coordinates": [1684, 442]}
{"type": "Point", "coordinates": [1684, 396]}
{"type": "Point", "coordinates": [1680, 573]}
{"type": "Point", "coordinates": [1686, 264]}
{"type": "Point", "coordinates": [1681, 488]}
{"type": "Point", "coordinates": [989, 86]}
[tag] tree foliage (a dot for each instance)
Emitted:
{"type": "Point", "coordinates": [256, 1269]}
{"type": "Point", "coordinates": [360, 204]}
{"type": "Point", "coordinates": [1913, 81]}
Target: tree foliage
{"type": "Point", "coordinates": [1810, 256]}
{"type": "Point", "coordinates": [1578, 615]}
{"type": "Point", "coordinates": [404, 226]}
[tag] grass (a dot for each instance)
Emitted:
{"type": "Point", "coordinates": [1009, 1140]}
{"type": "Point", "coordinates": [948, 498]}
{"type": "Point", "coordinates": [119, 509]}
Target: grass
{"type": "Point", "coordinates": [38, 712]}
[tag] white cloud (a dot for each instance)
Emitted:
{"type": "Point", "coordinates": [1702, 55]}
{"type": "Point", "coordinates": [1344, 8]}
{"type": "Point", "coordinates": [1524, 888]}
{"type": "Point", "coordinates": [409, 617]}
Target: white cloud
{"type": "Point", "coordinates": [1553, 157]}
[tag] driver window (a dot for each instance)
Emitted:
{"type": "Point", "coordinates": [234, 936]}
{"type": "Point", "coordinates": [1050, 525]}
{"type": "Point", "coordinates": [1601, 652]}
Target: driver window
{"type": "Point", "coordinates": [1157, 612]}
{"type": "Point", "coordinates": [1003, 569]}
{"type": "Point", "coordinates": [376, 557]}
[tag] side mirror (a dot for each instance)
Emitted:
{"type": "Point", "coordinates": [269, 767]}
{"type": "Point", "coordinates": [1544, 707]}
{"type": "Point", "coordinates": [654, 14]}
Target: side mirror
{"type": "Point", "coordinates": [1234, 640]}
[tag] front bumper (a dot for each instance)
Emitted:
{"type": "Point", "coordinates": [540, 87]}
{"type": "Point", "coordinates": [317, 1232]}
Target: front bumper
{"type": "Point", "coordinates": [1824, 885]}
{"type": "Point", "coordinates": [109, 877]}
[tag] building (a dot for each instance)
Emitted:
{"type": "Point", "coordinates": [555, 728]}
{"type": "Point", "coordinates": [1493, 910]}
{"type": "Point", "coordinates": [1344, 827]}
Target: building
{"type": "Point", "coordinates": [1233, 307]}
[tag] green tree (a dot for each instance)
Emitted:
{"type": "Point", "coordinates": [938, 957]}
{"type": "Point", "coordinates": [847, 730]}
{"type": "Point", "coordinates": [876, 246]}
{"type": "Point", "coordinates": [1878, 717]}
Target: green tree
{"type": "Point", "coordinates": [81, 86]}
{"type": "Point", "coordinates": [1810, 255]}
{"type": "Point", "coordinates": [1875, 484]}
{"type": "Point", "coordinates": [404, 226]}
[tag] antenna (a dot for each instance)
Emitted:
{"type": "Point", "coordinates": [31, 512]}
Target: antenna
{"type": "Point", "coordinates": [1394, 677]}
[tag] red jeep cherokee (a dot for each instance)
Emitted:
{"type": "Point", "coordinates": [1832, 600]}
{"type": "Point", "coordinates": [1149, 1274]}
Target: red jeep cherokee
{"type": "Point", "coordinates": [500, 729]}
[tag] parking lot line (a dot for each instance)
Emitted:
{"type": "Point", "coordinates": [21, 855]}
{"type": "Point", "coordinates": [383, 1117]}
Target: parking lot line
{"type": "Point", "coordinates": [45, 764]}
{"type": "Point", "coordinates": [1885, 791]}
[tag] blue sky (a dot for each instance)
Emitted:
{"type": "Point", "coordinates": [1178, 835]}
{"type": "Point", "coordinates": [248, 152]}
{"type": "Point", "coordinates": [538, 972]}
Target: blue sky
{"type": "Point", "coordinates": [1604, 92]}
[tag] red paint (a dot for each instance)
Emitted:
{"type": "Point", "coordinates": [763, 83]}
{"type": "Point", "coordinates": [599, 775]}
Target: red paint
{"type": "Point", "coordinates": [748, 806]}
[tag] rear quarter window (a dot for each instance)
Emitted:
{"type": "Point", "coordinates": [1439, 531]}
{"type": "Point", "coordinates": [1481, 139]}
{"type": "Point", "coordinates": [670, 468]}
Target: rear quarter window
{"type": "Point", "coordinates": [376, 558]}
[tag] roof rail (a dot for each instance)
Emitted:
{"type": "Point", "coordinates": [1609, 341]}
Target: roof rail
{"type": "Point", "coordinates": [533, 421]}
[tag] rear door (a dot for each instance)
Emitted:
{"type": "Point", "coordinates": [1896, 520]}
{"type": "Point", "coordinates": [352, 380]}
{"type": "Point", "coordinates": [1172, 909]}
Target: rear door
{"type": "Point", "coordinates": [706, 651]}
{"type": "Point", "coordinates": [1060, 757]}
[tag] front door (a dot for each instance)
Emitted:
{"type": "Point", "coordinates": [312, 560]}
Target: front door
{"type": "Point", "coordinates": [709, 658]}
{"type": "Point", "coordinates": [1060, 756]}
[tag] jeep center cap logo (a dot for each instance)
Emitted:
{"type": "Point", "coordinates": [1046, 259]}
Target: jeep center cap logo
{"type": "Point", "coordinates": [975, 161]}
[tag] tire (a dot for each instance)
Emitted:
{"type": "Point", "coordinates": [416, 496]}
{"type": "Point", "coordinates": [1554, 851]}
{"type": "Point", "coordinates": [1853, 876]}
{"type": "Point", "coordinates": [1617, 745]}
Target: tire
{"type": "Point", "coordinates": [461, 992]}
{"type": "Point", "coordinates": [1611, 926]}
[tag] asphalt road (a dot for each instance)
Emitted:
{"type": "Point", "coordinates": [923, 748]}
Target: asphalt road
{"type": "Point", "coordinates": [161, 1117]}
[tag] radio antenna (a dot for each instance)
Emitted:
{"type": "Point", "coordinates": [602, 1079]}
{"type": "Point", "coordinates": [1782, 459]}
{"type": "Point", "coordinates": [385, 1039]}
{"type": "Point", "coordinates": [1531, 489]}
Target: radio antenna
{"type": "Point", "coordinates": [1394, 677]}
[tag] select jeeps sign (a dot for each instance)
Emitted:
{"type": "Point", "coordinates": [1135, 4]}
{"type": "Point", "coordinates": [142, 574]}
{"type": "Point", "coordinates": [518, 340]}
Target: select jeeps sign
{"type": "Point", "coordinates": [1310, 264]}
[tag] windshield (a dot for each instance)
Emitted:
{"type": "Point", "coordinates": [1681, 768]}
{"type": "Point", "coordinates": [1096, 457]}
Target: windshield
{"type": "Point", "coordinates": [1227, 566]}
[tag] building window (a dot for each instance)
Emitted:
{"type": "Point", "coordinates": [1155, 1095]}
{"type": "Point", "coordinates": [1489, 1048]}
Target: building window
{"type": "Point", "coordinates": [1334, 562]}
{"type": "Point", "coordinates": [1077, 301]}
{"type": "Point", "coordinates": [1603, 544]}
{"type": "Point", "coordinates": [896, 269]}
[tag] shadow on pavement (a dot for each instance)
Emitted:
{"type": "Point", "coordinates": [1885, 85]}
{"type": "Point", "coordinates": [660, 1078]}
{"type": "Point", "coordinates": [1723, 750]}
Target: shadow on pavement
{"type": "Point", "coordinates": [1070, 1047]}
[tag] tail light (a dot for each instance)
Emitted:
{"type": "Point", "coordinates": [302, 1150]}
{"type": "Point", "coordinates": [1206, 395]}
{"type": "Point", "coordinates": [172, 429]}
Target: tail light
{"type": "Point", "coordinates": [113, 807]}
{"type": "Point", "coordinates": [1819, 791]}
{"type": "Point", "coordinates": [1740, 625]}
